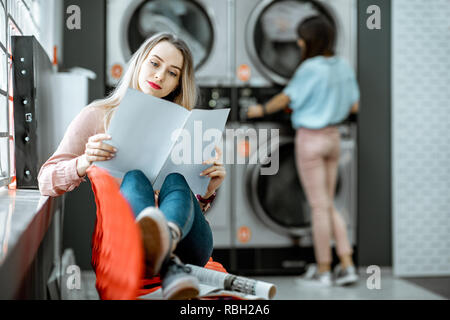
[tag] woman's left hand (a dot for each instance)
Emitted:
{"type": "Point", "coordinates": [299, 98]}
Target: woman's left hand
{"type": "Point", "coordinates": [216, 172]}
{"type": "Point", "coordinates": [256, 111]}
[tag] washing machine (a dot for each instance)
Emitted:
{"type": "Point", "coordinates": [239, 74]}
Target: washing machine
{"type": "Point", "coordinates": [203, 24]}
{"type": "Point", "coordinates": [266, 50]}
{"type": "Point", "coordinates": [270, 211]}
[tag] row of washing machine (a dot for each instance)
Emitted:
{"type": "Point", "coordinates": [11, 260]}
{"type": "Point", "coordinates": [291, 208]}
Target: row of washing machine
{"type": "Point", "coordinates": [261, 205]}
{"type": "Point", "coordinates": [234, 42]}
{"type": "Point", "coordinates": [244, 52]}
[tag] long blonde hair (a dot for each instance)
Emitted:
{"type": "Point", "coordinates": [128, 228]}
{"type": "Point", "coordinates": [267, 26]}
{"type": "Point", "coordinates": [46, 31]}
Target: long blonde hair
{"type": "Point", "coordinates": [185, 94]}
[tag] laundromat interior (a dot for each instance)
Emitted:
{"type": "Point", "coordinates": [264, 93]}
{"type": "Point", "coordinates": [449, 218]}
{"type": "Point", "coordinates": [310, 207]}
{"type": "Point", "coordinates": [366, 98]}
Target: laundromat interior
{"type": "Point", "coordinates": [393, 178]}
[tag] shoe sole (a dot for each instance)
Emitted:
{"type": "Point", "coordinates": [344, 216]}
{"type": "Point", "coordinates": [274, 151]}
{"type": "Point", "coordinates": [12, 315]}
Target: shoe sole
{"type": "Point", "coordinates": [155, 237]}
{"type": "Point", "coordinates": [182, 289]}
{"type": "Point", "coordinates": [346, 280]}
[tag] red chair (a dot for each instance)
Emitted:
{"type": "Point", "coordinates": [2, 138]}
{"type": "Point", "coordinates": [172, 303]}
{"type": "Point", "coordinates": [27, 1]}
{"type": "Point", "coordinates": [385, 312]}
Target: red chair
{"type": "Point", "coordinates": [117, 250]}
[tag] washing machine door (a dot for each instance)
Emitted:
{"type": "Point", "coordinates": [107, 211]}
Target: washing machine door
{"type": "Point", "coordinates": [279, 200]}
{"type": "Point", "coordinates": [188, 19]}
{"type": "Point", "coordinates": [271, 36]}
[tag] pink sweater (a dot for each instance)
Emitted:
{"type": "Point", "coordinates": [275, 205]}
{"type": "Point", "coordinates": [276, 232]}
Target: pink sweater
{"type": "Point", "coordinates": [59, 173]}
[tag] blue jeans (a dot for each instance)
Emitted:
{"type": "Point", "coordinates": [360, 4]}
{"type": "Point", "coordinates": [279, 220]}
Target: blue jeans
{"type": "Point", "coordinates": [179, 206]}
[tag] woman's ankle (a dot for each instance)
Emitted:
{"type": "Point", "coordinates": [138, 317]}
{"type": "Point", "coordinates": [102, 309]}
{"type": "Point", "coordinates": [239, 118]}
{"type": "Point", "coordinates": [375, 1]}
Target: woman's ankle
{"type": "Point", "coordinates": [323, 267]}
{"type": "Point", "coordinates": [346, 261]}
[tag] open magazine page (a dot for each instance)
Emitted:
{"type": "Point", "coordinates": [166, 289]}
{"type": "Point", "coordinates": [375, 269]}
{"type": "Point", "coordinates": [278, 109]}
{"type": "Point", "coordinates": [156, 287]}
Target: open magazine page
{"type": "Point", "coordinates": [141, 130]}
{"type": "Point", "coordinates": [207, 292]}
{"type": "Point", "coordinates": [230, 282]}
{"type": "Point", "coordinates": [201, 132]}
{"type": "Point", "coordinates": [213, 293]}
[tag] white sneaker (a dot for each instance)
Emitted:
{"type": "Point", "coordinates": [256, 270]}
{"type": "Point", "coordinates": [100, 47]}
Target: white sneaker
{"type": "Point", "coordinates": [343, 277]}
{"type": "Point", "coordinates": [156, 238]}
{"type": "Point", "coordinates": [313, 278]}
{"type": "Point", "coordinates": [178, 282]}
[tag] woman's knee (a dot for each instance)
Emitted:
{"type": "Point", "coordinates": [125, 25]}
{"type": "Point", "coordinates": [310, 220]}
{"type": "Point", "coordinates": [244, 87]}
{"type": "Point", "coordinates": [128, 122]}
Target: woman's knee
{"type": "Point", "coordinates": [175, 179]}
{"type": "Point", "coordinates": [136, 179]}
{"type": "Point", "coordinates": [135, 175]}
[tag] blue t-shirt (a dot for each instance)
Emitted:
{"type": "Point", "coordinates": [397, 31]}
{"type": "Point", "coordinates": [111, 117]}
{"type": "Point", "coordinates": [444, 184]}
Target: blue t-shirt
{"type": "Point", "coordinates": [322, 92]}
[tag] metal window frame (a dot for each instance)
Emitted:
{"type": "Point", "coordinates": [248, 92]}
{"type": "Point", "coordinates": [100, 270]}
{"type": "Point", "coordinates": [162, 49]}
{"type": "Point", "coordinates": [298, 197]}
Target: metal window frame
{"type": "Point", "coordinates": [6, 180]}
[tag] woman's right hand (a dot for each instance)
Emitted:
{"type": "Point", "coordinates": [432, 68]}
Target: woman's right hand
{"type": "Point", "coordinates": [96, 150]}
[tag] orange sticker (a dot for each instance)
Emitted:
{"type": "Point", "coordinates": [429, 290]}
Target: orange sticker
{"type": "Point", "coordinates": [244, 72]}
{"type": "Point", "coordinates": [116, 71]}
{"type": "Point", "coordinates": [244, 234]}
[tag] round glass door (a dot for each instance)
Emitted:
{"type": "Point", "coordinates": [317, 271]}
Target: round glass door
{"type": "Point", "coordinates": [279, 200]}
{"type": "Point", "coordinates": [186, 19]}
{"type": "Point", "coordinates": [272, 37]}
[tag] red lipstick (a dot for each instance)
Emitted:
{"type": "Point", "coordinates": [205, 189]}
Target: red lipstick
{"type": "Point", "coordinates": [154, 85]}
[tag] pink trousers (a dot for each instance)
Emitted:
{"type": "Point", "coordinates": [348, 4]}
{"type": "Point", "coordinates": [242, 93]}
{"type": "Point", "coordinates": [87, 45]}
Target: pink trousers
{"type": "Point", "coordinates": [317, 158]}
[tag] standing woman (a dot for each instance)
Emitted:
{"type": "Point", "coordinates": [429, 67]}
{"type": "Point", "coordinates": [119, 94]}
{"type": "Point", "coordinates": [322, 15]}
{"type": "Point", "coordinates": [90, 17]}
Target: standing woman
{"type": "Point", "coordinates": [321, 94]}
{"type": "Point", "coordinates": [171, 219]}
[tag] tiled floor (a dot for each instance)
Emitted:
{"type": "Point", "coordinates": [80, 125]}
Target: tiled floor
{"type": "Point", "coordinates": [391, 288]}
{"type": "Point", "coordinates": [438, 285]}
